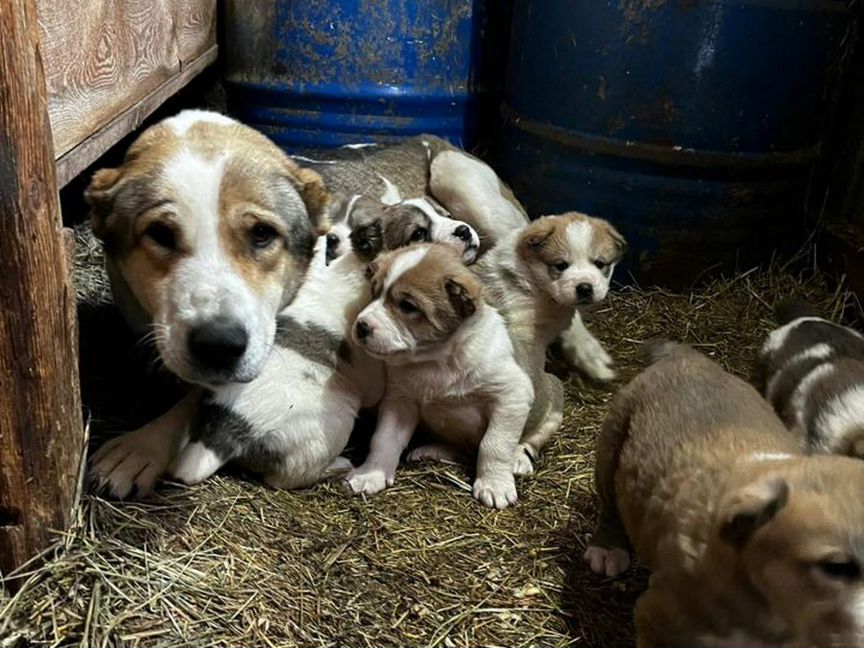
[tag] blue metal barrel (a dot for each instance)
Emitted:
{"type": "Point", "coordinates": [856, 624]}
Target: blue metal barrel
{"type": "Point", "coordinates": [324, 74]}
{"type": "Point", "coordinates": [693, 125]}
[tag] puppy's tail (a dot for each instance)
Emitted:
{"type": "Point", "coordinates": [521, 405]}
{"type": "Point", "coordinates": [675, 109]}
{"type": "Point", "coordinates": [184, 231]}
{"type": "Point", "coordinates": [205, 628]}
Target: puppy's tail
{"type": "Point", "coordinates": [657, 349]}
{"type": "Point", "coordinates": [792, 309]}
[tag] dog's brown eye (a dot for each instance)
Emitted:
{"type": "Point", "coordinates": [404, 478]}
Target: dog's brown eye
{"type": "Point", "coordinates": [600, 264]}
{"type": "Point", "coordinates": [561, 267]}
{"type": "Point", "coordinates": [262, 236]}
{"type": "Point", "coordinates": [162, 235]}
{"type": "Point", "coordinates": [420, 234]}
{"type": "Point", "coordinates": [407, 307]}
{"type": "Point", "coordinates": [848, 570]}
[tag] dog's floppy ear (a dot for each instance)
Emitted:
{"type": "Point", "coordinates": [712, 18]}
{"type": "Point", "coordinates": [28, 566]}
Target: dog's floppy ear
{"type": "Point", "coordinates": [749, 508]}
{"type": "Point", "coordinates": [100, 196]}
{"type": "Point", "coordinates": [311, 188]}
{"type": "Point", "coordinates": [538, 231]}
{"type": "Point", "coordinates": [367, 240]}
{"type": "Point", "coordinates": [617, 238]}
{"type": "Point", "coordinates": [463, 291]}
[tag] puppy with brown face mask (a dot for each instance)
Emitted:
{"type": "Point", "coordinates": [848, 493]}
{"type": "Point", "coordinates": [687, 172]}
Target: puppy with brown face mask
{"type": "Point", "coordinates": [750, 542]}
{"type": "Point", "coordinates": [812, 371]}
{"type": "Point", "coordinates": [451, 366]}
{"type": "Point", "coordinates": [537, 273]}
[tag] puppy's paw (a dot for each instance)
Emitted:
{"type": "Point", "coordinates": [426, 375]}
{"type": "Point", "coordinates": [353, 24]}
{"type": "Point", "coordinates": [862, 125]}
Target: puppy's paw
{"type": "Point", "coordinates": [369, 480]}
{"type": "Point", "coordinates": [607, 562]}
{"type": "Point", "coordinates": [496, 492]}
{"type": "Point", "coordinates": [129, 465]}
{"type": "Point", "coordinates": [338, 467]}
{"type": "Point", "coordinates": [195, 463]}
{"type": "Point", "coordinates": [523, 463]}
{"type": "Point", "coordinates": [586, 353]}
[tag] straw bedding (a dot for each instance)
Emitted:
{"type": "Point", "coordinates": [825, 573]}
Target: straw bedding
{"type": "Point", "coordinates": [231, 562]}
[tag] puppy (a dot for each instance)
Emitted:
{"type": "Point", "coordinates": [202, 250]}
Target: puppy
{"type": "Point", "coordinates": [208, 230]}
{"type": "Point", "coordinates": [750, 542]}
{"type": "Point", "coordinates": [293, 421]}
{"type": "Point", "coordinates": [552, 265]}
{"type": "Point", "coordinates": [388, 226]}
{"type": "Point", "coordinates": [812, 371]}
{"type": "Point", "coordinates": [451, 366]}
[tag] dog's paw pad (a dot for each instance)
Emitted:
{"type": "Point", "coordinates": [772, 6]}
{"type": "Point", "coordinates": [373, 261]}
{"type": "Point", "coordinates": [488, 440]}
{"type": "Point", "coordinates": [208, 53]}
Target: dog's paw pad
{"type": "Point", "coordinates": [495, 493]}
{"type": "Point", "coordinates": [607, 562]}
{"type": "Point", "coordinates": [368, 482]}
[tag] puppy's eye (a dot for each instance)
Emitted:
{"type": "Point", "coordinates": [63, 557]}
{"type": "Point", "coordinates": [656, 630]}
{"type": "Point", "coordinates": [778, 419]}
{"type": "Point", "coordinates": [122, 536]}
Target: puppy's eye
{"type": "Point", "coordinates": [600, 264]}
{"type": "Point", "coordinates": [333, 241]}
{"type": "Point", "coordinates": [420, 234]}
{"type": "Point", "coordinates": [561, 267]}
{"type": "Point", "coordinates": [262, 235]}
{"type": "Point", "coordinates": [847, 570]}
{"type": "Point", "coordinates": [162, 235]}
{"type": "Point", "coordinates": [407, 307]}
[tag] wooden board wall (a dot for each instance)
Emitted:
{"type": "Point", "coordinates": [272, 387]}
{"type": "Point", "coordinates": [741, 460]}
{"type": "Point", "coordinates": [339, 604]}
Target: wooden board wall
{"type": "Point", "coordinates": [101, 57]}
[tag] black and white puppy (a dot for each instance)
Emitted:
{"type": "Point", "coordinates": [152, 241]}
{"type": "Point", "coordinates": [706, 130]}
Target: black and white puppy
{"type": "Point", "coordinates": [812, 372]}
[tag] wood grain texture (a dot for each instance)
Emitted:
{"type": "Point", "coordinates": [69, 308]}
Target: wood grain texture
{"type": "Point", "coordinates": [83, 154]}
{"type": "Point", "coordinates": [41, 433]}
{"type": "Point", "coordinates": [102, 56]}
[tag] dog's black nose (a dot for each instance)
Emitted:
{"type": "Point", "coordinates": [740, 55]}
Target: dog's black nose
{"type": "Point", "coordinates": [463, 233]}
{"type": "Point", "coordinates": [584, 291]}
{"type": "Point", "coordinates": [219, 343]}
{"type": "Point", "coordinates": [362, 329]}
{"type": "Point", "coordinates": [333, 241]}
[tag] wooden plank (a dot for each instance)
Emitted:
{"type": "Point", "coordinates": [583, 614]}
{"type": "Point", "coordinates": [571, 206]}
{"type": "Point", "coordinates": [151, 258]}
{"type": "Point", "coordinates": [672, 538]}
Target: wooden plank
{"type": "Point", "coordinates": [41, 434]}
{"type": "Point", "coordinates": [103, 56]}
{"type": "Point", "coordinates": [85, 153]}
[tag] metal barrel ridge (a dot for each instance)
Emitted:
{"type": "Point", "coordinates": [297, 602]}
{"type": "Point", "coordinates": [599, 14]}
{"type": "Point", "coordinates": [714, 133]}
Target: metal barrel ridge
{"type": "Point", "coordinates": [692, 125]}
{"type": "Point", "coordinates": [326, 74]}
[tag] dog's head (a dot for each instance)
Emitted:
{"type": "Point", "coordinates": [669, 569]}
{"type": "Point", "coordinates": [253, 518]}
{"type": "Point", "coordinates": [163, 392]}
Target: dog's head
{"type": "Point", "coordinates": [422, 295]}
{"type": "Point", "coordinates": [799, 538]}
{"type": "Point", "coordinates": [370, 227]}
{"type": "Point", "coordinates": [211, 228]}
{"type": "Point", "coordinates": [571, 256]}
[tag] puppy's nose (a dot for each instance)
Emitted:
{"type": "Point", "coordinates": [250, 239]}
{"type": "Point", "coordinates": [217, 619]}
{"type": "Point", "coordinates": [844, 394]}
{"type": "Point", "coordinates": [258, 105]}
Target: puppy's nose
{"type": "Point", "coordinates": [584, 291]}
{"type": "Point", "coordinates": [362, 329]}
{"type": "Point", "coordinates": [463, 233]}
{"type": "Point", "coordinates": [219, 343]}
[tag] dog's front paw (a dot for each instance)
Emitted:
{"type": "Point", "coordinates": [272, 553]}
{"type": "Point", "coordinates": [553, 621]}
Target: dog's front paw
{"type": "Point", "coordinates": [369, 480]}
{"type": "Point", "coordinates": [496, 492]}
{"type": "Point", "coordinates": [607, 562]}
{"type": "Point", "coordinates": [586, 353]}
{"type": "Point", "coordinates": [523, 463]}
{"type": "Point", "coordinates": [129, 464]}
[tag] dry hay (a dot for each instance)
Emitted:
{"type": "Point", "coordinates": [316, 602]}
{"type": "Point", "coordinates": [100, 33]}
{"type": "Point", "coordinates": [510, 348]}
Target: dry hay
{"type": "Point", "coordinates": [233, 563]}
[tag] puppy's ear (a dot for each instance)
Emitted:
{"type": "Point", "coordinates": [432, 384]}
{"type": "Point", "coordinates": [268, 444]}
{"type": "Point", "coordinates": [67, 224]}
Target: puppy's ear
{"type": "Point", "coordinates": [536, 234]}
{"type": "Point", "coordinates": [100, 196]}
{"type": "Point", "coordinates": [463, 291]}
{"type": "Point", "coordinates": [616, 237]}
{"type": "Point", "coordinates": [748, 509]}
{"type": "Point", "coordinates": [311, 188]}
{"type": "Point", "coordinates": [367, 240]}
{"type": "Point", "coordinates": [371, 270]}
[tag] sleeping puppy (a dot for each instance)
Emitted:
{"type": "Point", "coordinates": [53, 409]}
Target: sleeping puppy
{"type": "Point", "coordinates": [293, 421]}
{"type": "Point", "coordinates": [416, 220]}
{"type": "Point", "coordinates": [750, 542]}
{"type": "Point", "coordinates": [812, 371]}
{"type": "Point", "coordinates": [208, 230]}
{"type": "Point", "coordinates": [451, 365]}
{"type": "Point", "coordinates": [569, 261]}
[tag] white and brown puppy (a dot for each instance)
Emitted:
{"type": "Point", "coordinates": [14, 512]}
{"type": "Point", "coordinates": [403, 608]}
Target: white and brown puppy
{"type": "Point", "coordinates": [750, 542]}
{"type": "Point", "coordinates": [570, 261]}
{"type": "Point", "coordinates": [451, 366]}
{"type": "Point", "coordinates": [812, 371]}
{"type": "Point", "coordinates": [208, 230]}
{"type": "Point", "coordinates": [540, 274]}
{"type": "Point", "coordinates": [293, 421]}
{"type": "Point", "coordinates": [387, 226]}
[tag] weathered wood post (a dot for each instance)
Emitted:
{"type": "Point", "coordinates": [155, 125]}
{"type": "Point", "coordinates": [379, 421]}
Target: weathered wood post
{"type": "Point", "coordinates": [41, 437]}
